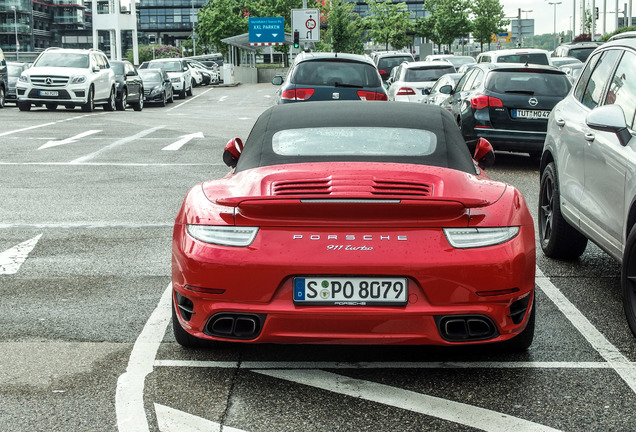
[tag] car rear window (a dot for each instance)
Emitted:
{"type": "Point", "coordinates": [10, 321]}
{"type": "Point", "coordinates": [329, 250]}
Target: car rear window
{"type": "Point", "coordinates": [332, 72]}
{"type": "Point", "coordinates": [388, 63]}
{"type": "Point", "coordinates": [533, 83]}
{"type": "Point", "coordinates": [427, 73]}
{"type": "Point", "coordinates": [357, 141]}
{"type": "Point", "coordinates": [536, 58]}
{"type": "Point", "coordinates": [168, 66]}
{"type": "Point", "coordinates": [581, 53]}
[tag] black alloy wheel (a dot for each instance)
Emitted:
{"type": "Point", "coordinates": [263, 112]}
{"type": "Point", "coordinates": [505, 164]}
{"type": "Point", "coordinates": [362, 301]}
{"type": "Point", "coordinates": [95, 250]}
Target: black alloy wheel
{"type": "Point", "coordinates": [557, 237]}
{"type": "Point", "coordinates": [628, 280]}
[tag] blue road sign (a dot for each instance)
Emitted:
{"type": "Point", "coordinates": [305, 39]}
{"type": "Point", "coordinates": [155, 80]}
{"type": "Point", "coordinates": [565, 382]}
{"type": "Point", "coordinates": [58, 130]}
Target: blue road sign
{"type": "Point", "coordinates": [267, 30]}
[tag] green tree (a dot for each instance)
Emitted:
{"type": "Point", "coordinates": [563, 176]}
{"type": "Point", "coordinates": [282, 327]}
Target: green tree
{"type": "Point", "coordinates": [489, 18]}
{"type": "Point", "coordinates": [344, 28]}
{"type": "Point", "coordinates": [388, 23]}
{"type": "Point", "coordinates": [220, 19]}
{"type": "Point", "coordinates": [150, 52]}
{"type": "Point", "coordinates": [451, 20]}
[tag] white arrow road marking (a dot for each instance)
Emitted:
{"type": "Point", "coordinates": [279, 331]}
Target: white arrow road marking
{"type": "Point", "coordinates": [68, 140]}
{"type": "Point", "coordinates": [12, 259]}
{"type": "Point", "coordinates": [184, 139]}
{"type": "Point", "coordinates": [129, 396]}
{"type": "Point", "coordinates": [456, 412]}
{"type": "Point", "coordinates": [172, 420]}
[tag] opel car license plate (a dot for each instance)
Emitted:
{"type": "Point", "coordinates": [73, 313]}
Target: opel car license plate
{"type": "Point", "coordinates": [350, 291]}
{"type": "Point", "coordinates": [48, 93]}
{"type": "Point", "coordinates": [530, 114]}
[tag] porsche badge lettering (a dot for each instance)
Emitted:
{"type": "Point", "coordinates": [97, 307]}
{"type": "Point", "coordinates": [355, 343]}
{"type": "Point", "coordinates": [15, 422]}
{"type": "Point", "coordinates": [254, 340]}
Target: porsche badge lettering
{"type": "Point", "coordinates": [348, 237]}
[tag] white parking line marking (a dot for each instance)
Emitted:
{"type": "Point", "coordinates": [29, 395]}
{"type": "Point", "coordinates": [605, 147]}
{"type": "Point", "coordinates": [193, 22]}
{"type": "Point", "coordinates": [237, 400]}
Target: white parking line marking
{"type": "Point", "coordinates": [609, 352]}
{"type": "Point", "coordinates": [129, 397]}
{"type": "Point", "coordinates": [172, 420]}
{"type": "Point", "coordinates": [47, 124]}
{"type": "Point", "coordinates": [455, 412]}
{"type": "Point", "coordinates": [68, 140]}
{"type": "Point", "coordinates": [12, 259]}
{"type": "Point", "coordinates": [184, 140]}
{"type": "Point", "coordinates": [116, 144]}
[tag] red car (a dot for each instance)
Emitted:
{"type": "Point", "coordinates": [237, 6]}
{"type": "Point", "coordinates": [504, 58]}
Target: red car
{"type": "Point", "coordinates": [354, 223]}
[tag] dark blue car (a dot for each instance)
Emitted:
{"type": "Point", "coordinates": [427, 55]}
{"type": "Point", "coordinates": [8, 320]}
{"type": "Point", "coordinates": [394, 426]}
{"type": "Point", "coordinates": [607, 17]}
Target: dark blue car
{"type": "Point", "coordinates": [330, 76]}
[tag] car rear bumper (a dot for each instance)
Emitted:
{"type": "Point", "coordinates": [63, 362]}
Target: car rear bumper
{"type": "Point", "coordinates": [512, 140]}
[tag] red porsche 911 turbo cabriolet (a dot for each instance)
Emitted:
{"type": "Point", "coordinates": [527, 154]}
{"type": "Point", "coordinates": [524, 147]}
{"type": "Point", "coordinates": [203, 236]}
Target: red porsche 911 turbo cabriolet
{"type": "Point", "coordinates": [354, 223]}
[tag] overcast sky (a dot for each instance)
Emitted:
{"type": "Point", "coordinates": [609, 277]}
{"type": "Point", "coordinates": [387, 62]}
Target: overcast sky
{"type": "Point", "coordinates": [543, 13]}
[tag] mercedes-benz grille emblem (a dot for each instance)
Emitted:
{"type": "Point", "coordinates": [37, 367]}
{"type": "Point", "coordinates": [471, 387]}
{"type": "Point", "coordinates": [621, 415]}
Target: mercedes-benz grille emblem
{"type": "Point", "coordinates": [533, 101]}
{"type": "Point", "coordinates": [48, 81]}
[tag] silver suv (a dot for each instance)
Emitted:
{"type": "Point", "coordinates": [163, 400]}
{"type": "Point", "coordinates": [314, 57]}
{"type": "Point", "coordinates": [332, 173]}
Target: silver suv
{"type": "Point", "coordinates": [68, 77]}
{"type": "Point", "coordinates": [588, 165]}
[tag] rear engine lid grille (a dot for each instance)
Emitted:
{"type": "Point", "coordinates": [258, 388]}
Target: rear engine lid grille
{"type": "Point", "coordinates": [360, 186]}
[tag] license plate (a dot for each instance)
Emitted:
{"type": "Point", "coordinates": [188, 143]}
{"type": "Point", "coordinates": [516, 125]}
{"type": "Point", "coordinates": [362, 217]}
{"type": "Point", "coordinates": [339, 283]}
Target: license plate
{"type": "Point", "coordinates": [530, 114]}
{"type": "Point", "coordinates": [48, 93]}
{"type": "Point", "coordinates": [350, 291]}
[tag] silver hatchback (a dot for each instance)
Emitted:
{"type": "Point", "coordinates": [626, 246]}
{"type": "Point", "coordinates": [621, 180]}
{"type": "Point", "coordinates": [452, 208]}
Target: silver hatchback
{"type": "Point", "coordinates": [588, 165]}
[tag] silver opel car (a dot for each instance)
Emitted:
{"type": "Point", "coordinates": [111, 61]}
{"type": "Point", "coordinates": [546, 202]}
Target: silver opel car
{"type": "Point", "coordinates": [588, 165]}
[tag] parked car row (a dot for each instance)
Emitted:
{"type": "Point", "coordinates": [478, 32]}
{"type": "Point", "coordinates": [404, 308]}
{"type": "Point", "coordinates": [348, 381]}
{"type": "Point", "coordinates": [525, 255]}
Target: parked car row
{"type": "Point", "coordinates": [87, 78]}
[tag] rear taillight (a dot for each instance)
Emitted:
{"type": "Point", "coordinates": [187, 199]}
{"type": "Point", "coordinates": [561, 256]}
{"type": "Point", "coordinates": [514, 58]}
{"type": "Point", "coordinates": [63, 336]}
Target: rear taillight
{"type": "Point", "coordinates": [482, 101]}
{"type": "Point", "coordinates": [369, 95]}
{"type": "Point", "coordinates": [297, 94]}
{"type": "Point", "coordinates": [405, 91]}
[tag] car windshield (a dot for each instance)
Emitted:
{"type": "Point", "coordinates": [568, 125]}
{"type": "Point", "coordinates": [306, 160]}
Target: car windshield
{"type": "Point", "coordinates": [331, 73]}
{"type": "Point", "coordinates": [63, 59]}
{"type": "Point", "coordinates": [533, 83]}
{"type": "Point", "coordinates": [150, 76]}
{"type": "Point", "coordinates": [358, 141]}
{"type": "Point", "coordinates": [426, 73]}
{"type": "Point", "coordinates": [168, 66]}
{"type": "Point", "coordinates": [14, 70]}
{"type": "Point", "coordinates": [536, 58]}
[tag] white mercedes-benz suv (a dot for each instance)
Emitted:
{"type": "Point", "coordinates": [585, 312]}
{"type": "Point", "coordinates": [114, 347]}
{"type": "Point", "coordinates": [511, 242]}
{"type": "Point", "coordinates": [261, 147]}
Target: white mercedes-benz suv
{"type": "Point", "coordinates": [68, 77]}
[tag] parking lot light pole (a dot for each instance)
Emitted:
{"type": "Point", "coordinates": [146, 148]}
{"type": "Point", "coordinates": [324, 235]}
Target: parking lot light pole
{"type": "Point", "coordinates": [15, 24]}
{"type": "Point", "coordinates": [555, 5]}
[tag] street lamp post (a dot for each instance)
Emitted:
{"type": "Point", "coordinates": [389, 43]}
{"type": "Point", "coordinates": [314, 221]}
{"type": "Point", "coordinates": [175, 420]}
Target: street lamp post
{"type": "Point", "coordinates": [17, 43]}
{"type": "Point", "coordinates": [555, 33]}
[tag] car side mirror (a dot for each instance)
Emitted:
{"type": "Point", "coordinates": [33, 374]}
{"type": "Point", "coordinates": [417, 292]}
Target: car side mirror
{"type": "Point", "coordinates": [96, 68]}
{"type": "Point", "coordinates": [484, 154]}
{"type": "Point", "coordinates": [232, 152]}
{"type": "Point", "coordinates": [277, 80]}
{"type": "Point", "coordinates": [446, 89]}
{"type": "Point", "coordinates": [427, 91]}
{"type": "Point", "coordinates": [610, 118]}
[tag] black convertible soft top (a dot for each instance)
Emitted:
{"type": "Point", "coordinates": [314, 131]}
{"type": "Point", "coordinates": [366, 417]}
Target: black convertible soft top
{"type": "Point", "coordinates": [450, 152]}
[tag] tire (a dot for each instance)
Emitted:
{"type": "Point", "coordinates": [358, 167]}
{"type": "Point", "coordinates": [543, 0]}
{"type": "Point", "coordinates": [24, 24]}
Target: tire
{"type": "Point", "coordinates": [182, 94]}
{"type": "Point", "coordinates": [89, 106]}
{"type": "Point", "coordinates": [189, 91]}
{"type": "Point", "coordinates": [24, 106]}
{"type": "Point", "coordinates": [557, 237]}
{"type": "Point", "coordinates": [3, 98]}
{"type": "Point", "coordinates": [523, 340]}
{"type": "Point", "coordinates": [164, 100]}
{"type": "Point", "coordinates": [51, 106]}
{"type": "Point", "coordinates": [69, 107]}
{"type": "Point", "coordinates": [140, 104]}
{"type": "Point", "coordinates": [111, 104]}
{"type": "Point", "coordinates": [121, 103]}
{"type": "Point", "coordinates": [628, 280]}
{"type": "Point", "coordinates": [182, 337]}
{"type": "Point", "coordinates": [171, 99]}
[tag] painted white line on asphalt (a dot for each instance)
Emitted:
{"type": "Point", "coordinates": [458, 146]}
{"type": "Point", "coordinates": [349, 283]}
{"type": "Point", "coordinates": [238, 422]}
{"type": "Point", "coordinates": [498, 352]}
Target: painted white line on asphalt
{"type": "Point", "coordinates": [455, 412]}
{"type": "Point", "coordinates": [54, 143]}
{"type": "Point", "coordinates": [187, 101]}
{"type": "Point", "coordinates": [623, 367]}
{"type": "Point", "coordinates": [96, 224]}
{"type": "Point", "coordinates": [184, 140]}
{"type": "Point", "coordinates": [172, 420]}
{"type": "Point", "coordinates": [129, 397]}
{"type": "Point", "coordinates": [12, 259]}
{"type": "Point", "coordinates": [116, 144]}
{"type": "Point", "coordinates": [222, 98]}
{"type": "Point", "coordinates": [47, 124]}
{"type": "Point", "coordinates": [381, 365]}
